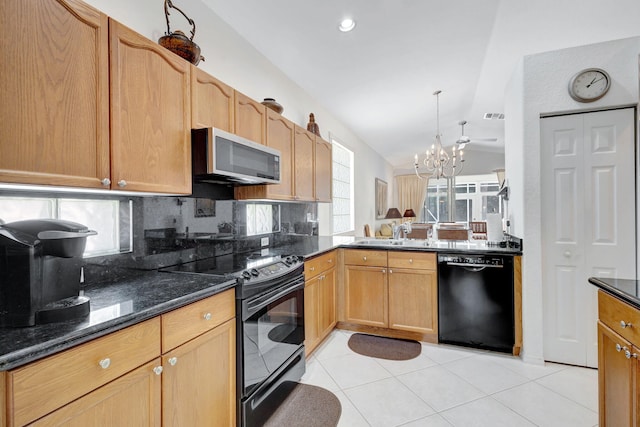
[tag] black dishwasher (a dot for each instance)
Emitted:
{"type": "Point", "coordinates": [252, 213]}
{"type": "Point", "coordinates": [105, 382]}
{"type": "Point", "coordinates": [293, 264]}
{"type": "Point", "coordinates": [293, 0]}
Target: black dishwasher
{"type": "Point", "coordinates": [475, 301]}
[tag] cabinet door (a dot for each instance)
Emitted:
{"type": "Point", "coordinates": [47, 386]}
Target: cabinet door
{"type": "Point", "coordinates": [55, 91]}
{"type": "Point", "coordinates": [250, 118]}
{"type": "Point", "coordinates": [327, 303]}
{"type": "Point", "coordinates": [131, 400]}
{"type": "Point", "coordinates": [311, 315]}
{"type": "Point", "coordinates": [280, 137]}
{"type": "Point", "coordinates": [366, 295]}
{"type": "Point", "coordinates": [615, 376]}
{"type": "Point", "coordinates": [212, 102]}
{"type": "Point", "coordinates": [323, 168]}
{"type": "Point", "coordinates": [304, 164]}
{"type": "Point", "coordinates": [413, 300]}
{"type": "Point", "coordinates": [150, 115]}
{"type": "Point", "coordinates": [199, 380]}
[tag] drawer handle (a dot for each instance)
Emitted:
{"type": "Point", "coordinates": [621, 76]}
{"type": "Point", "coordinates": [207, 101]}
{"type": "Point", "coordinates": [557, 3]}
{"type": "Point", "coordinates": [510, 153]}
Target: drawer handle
{"type": "Point", "coordinates": [364, 258]}
{"type": "Point", "coordinates": [207, 316]}
{"type": "Point", "coordinates": [105, 363]}
{"type": "Point", "coordinates": [157, 370]}
{"type": "Point", "coordinates": [624, 324]}
{"type": "Point", "coordinates": [173, 361]}
{"type": "Point", "coordinates": [330, 261]}
{"type": "Point", "coordinates": [629, 355]}
{"type": "Point", "coordinates": [312, 269]}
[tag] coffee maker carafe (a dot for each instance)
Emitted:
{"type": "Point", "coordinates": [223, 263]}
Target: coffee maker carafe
{"type": "Point", "coordinates": [40, 269]}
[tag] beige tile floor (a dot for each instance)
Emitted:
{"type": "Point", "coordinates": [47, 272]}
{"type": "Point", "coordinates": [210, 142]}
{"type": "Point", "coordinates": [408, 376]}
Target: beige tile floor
{"type": "Point", "coordinates": [452, 386]}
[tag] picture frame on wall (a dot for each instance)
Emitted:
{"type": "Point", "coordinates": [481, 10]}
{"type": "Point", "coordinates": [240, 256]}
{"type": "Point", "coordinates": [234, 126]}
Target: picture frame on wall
{"type": "Point", "coordinates": [381, 199]}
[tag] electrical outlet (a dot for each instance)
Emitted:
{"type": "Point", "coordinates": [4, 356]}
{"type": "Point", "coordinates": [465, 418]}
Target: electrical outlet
{"type": "Point", "coordinates": [264, 241]}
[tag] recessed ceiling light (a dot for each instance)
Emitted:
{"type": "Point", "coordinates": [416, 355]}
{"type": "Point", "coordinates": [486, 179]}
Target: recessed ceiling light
{"type": "Point", "coordinates": [346, 25]}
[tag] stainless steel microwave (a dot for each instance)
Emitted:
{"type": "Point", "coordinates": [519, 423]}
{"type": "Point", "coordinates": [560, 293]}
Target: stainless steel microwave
{"type": "Point", "coordinates": [219, 156]}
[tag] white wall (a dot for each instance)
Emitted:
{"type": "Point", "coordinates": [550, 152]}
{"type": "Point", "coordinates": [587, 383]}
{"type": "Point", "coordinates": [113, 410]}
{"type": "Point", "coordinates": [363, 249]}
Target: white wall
{"type": "Point", "coordinates": [231, 59]}
{"type": "Point", "coordinates": [539, 86]}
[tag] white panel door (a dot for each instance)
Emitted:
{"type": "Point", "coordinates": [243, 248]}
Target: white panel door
{"type": "Point", "coordinates": [588, 223]}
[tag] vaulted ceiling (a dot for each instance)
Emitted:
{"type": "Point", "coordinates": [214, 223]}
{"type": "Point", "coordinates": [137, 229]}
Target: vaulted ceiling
{"type": "Point", "coordinates": [379, 78]}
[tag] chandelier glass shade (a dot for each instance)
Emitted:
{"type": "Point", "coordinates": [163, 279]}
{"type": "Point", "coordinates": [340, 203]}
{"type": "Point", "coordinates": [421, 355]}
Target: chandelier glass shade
{"type": "Point", "coordinates": [437, 161]}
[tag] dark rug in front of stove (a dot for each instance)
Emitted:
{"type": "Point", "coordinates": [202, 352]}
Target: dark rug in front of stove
{"type": "Point", "coordinates": [307, 406]}
{"type": "Point", "coordinates": [384, 348]}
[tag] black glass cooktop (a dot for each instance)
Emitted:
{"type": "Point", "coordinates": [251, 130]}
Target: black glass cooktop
{"type": "Point", "coordinates": [227, 264]}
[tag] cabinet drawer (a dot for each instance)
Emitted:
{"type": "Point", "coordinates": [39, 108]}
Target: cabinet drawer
{"type": "Point", "coordinates": [47, 384]}
{"type": "Point", "coordinates": [186, 323]}
{"type": "Point", "coordinates": [317, 265]}
{"type": "Point", "coordinates": [612, 312]}
{"type": "Point", "coordinates": [365, 257]}
{"type": "Point", "coordinates": [421, 260]}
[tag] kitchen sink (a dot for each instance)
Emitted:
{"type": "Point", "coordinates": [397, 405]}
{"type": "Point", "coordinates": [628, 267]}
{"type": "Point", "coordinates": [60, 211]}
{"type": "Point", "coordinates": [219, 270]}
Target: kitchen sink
{"type": "Point", "coordinates": [392, 242]}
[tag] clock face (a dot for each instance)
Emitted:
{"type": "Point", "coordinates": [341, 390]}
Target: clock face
{"type": "Point", "coordinates": [589, 85]}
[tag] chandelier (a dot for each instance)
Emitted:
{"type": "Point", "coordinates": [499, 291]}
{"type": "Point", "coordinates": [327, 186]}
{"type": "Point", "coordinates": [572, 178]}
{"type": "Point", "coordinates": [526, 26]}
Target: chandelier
{"type": "Point", "coordinates": [438, 162]}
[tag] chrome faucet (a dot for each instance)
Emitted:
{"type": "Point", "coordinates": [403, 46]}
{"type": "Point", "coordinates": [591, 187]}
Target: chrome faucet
{"type": "Point", "coordinates": [405, 227]}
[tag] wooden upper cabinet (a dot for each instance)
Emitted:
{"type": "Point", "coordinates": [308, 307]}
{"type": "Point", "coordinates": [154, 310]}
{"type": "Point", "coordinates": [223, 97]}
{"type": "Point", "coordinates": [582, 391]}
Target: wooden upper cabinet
{"type": "Point", "coordinates": [280, 136]}
{"type": "Point", "coordinates": [212, 102]}
{"type": "Point", "coordinates": [323, 168]}
{"type": "Point", "coordinates": [304, 164]}
{"type": "Point", "coordinates": [250, 118]}
{"type": "Point", "coordinates": [55, 82]}
{"type": "Point", "coordinates": [150, 115]}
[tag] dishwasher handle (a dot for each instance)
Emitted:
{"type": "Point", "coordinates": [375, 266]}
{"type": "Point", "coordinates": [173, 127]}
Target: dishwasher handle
{"type": "Point", "coordinates": [481, 266]}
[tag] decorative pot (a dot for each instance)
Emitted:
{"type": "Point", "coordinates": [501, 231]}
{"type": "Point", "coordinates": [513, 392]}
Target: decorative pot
{"type": "Point", "coordinates": [271, 103]}
{"type": "Point", "coordinates": [179, 44]}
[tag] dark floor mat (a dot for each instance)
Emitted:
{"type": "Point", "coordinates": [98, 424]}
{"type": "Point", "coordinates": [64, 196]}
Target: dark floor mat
{"type": "Point", "coordinates": [307, 406]}
{"type": "Point", "coordinates": [384, 348]}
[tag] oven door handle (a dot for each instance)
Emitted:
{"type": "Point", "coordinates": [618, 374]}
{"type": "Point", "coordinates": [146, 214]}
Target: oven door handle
{"type": "Point", "coordinates": [253, 305]}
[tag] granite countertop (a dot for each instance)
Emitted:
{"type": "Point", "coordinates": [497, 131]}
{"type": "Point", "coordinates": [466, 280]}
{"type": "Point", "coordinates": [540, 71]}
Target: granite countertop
{"type": "Point", "coordinates": [470, 247]}
{"type": "Point", "coordinates": [627, 290]}
{"type": "Point", "coordinates": [138, 295]}
{"type": "Point", "coordinates": [127, 301]}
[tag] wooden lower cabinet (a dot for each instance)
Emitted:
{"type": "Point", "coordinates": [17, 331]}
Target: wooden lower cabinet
{"type": "Point", "coordinates": [319, 299]}
{"type": "Point", "coordinates": [412, 294]}
{"type": "Point", "coordinates": [131, 400]}
{"type": "Point", "coordinates": [366, 295]}
{"type": "Point", "coordinates": [122, 379]}
{"type": "Point", "coordinates": [198, 385]}
{"type": "Point", "coordinates": [618, 365]}
{"type": "Point", "coordinates": [394, 290]}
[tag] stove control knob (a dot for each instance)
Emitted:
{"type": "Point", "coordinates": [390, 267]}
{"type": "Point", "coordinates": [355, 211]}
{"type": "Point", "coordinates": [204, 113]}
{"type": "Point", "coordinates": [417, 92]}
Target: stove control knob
{"type": "Point", "coordinates": [254, 272]}
{"type": "Point", "coordinates": [246, 275]}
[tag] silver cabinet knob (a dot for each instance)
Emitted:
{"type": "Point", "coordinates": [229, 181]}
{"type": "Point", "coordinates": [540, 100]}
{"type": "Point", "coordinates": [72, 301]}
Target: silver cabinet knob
{"type": "Point", "coordinates": [207, 316]}
{"type": "Point", "coordinates": [384, 271]}
{"type": "Point", "coordinates": [567, 254]}
{"type": "Point", "coordinates": [629, 355]}
{"type": "Point", "coordinates": [173, 360]}
{"type": "Point", "coordinates": [410, 260]}
{"type": "Point", "coordinates": [364, 258]}
{"type": "Point", "coordinates": [157, 370]}
{"type": "Point", "coordinates": [624, 324]}
{"type": "Point", "coordinates": [122, 183]}
{"type": "Point", "coordinates": [106, 182]}
{"type": "Point", "coordinates": [105, 363]}
{"type": "Point", "coordinates": [330, 261]}
{"type": "Point", "coordinates": [390, 271]}
{"type": "Point", "coordinates": [618, 347]}
{"type": "Point", "coordinates": [312, 269]}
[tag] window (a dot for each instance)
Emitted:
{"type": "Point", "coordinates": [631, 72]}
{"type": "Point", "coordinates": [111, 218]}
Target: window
{"type": "Point", "coordinates": [262, 218]}
{"type": "Point", "coordinates": [111, 219]}
{"type": "Point", "coordinates": [343, 207]}
{"type": "Point", "coordinates": [473, 201]}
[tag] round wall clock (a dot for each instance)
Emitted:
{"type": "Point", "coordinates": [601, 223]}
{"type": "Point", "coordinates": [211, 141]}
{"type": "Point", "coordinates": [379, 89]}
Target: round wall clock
{"type": "Point", "coordinates": [589, 85]}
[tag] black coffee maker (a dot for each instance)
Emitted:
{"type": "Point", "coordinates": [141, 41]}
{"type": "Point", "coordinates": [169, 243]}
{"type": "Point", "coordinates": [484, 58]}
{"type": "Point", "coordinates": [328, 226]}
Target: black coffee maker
{"type": "Point", "coordinates": [40, 269]}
